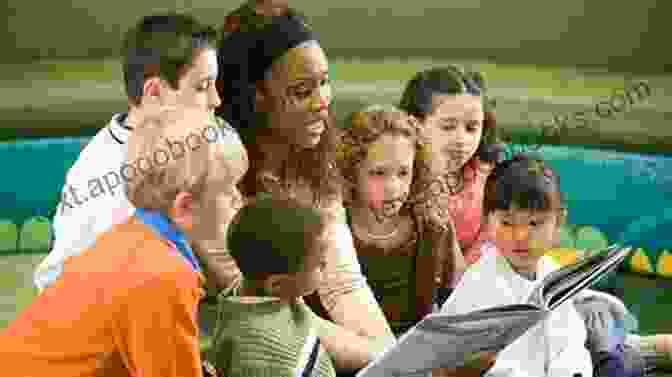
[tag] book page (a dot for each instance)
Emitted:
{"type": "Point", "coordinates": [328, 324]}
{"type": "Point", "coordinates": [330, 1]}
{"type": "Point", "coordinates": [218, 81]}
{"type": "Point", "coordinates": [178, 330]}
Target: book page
{"type": "Point", "coordinates": [449, 341]}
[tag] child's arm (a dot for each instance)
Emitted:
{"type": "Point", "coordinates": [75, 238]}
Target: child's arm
{"type": "Point", "coordinates": [160, 339]}
{"type": "Point", "coordinates": [476, 368]}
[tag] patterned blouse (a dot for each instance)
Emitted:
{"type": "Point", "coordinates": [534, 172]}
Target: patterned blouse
{"type": "Point", "coordinates": [466, 208]}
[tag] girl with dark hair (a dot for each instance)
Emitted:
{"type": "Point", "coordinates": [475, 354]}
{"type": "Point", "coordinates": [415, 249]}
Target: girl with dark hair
{"type": "Point", "coordinates": [383, 158]}
{"type": "Point", "coordinates": [452, 106]}
{"type": "Point", "coordinates": [524, 207]}
{"type": "Point", "coordinates": [275, 89]}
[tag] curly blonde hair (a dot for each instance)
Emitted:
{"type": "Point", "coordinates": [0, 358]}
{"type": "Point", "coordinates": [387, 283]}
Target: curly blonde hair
{"type": "Point", "coordinates": [363, 128]}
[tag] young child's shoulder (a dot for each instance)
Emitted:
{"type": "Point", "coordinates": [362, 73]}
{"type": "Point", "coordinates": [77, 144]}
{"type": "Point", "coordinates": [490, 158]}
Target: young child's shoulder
{"type": "Point", "coordinates": [254, 328]}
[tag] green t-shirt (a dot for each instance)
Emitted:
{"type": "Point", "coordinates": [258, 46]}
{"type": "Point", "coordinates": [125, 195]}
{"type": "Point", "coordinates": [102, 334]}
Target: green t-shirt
{"type": "Point", "coordinates": [263, 336]}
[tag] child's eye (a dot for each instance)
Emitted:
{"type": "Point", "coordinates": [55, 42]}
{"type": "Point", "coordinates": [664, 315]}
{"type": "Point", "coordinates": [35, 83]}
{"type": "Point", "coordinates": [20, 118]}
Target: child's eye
{"type": "Point", "coordinates": [205, 85]}
{"type": "Point", "coordinates": [377, 173]}
{"type": "Point", "coordinates": [325, 81]}
{"type": "Point", "coordinates": [473, 127]}
{"type": "Point", "coordinates": [506, 223]}
{"type": "Point", "coordinates": [404, 173]}
{"type": "Point", "coordinates": [448, 126]}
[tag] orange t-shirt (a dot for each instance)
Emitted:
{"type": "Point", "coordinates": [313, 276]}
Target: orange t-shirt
{"type": "Point", "coordinates": [125, 307]}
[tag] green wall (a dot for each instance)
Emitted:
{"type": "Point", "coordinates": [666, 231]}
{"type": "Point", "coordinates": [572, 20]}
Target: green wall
{"type": "Point", "coordinates": [628, 35]}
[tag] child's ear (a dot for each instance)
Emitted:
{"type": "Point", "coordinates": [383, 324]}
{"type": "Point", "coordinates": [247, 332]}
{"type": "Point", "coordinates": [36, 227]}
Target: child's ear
{"type": "Point", "coordinates": [562, 216]}
{"type": "Point", "coordinates": [151, 87]}
{"type": "Point", "coordinates": [275, 283]}
{"type": "Point", "coordinates": [182, 210]}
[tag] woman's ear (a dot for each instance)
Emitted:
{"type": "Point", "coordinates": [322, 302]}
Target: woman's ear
{"type": "Point", "coordinates": [260, 97]}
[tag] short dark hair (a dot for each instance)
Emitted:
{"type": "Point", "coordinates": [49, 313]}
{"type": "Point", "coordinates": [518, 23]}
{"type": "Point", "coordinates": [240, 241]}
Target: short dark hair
{"type": "Point", "coordinates": [526, 181]}
{"type": "Point", "coordinates": [273, 235]}
{"type": "Point", "coordinates": [162, 45]}
{"type": "Point", "coordinates": [418, 100]}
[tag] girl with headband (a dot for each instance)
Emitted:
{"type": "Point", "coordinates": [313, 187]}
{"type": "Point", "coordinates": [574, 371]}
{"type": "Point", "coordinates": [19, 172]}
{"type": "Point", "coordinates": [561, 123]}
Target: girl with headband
{"type": "Point", "coordinates": [275, 89]}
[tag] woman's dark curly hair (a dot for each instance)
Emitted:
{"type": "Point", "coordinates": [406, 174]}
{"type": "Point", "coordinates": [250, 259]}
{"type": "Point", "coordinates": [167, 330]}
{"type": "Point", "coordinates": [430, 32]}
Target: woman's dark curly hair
{"type": "Point", "coordinates": [524, 181]}
{"type": "Point", "coordinates": [363, 128]}
{"type": "Point", "coordinates": [315, 165]}
{"type": "Point", "coordinates": [418, 100]}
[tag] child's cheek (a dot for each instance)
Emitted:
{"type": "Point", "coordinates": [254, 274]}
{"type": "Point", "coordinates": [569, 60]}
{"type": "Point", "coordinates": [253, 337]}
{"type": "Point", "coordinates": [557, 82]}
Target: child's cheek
{"type": "Point", "coordinates": [504, 239]}
{"type": "Point", "coordinates": [375, 190]}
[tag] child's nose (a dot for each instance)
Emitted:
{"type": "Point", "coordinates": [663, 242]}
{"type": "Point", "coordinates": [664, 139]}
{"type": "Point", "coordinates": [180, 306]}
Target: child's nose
{"type": "Point", "coordinates": [520, 232]}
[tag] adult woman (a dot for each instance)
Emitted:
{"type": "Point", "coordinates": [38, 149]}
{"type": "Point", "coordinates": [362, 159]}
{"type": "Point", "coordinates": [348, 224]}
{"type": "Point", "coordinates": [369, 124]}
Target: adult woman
{"type": "Point", "coordinates": [276, 93]}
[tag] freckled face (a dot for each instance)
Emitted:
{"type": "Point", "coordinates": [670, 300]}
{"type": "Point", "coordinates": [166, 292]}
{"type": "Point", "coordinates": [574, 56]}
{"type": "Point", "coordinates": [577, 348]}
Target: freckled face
{"type": "Point", "coordinates": [384, 177]}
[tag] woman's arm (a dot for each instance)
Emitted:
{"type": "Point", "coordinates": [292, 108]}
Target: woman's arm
{"type": "Point", "coordinates": [220, 268]}
{"type": "Point", "coordinates": [345, 293]}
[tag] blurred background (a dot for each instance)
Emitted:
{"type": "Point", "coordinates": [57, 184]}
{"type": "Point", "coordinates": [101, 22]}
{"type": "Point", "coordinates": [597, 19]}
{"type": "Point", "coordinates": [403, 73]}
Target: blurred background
{"type": "Point", "coordinates": [60, 77]}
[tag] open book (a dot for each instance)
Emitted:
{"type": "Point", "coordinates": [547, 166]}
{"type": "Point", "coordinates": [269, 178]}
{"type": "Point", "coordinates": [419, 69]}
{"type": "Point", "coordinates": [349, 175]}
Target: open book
{"type": "Point", "coordinates": [450, 341]}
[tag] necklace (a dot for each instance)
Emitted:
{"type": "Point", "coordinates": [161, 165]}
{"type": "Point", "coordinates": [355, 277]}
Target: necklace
{"type": "Point", "coordinates": [382, 237]}
{"type": "Point", "coordinates": [454, 182]}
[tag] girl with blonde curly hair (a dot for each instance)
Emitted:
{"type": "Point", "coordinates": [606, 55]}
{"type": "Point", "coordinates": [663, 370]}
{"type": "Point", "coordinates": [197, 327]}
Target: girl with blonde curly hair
{"type": "Point", "coordinates": [384, 160]}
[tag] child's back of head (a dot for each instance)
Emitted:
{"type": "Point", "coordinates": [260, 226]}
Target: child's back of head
{"type": "Point", "coordinates": [277, 244]}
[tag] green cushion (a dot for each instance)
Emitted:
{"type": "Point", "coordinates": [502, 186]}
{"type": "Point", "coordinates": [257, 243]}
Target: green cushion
{"type": "Point", "coordinates": [567, 236]}
{"type": "Point", "coordinates": [590, 238]}
{"type": "Point", "coordinates": [9, 236]}
{"type": "Point", "coordinates": [35, 235]}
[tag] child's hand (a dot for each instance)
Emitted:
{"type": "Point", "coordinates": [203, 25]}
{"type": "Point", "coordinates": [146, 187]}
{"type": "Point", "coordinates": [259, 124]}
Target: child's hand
{"type": "Point", "coordinates": [476, 367]}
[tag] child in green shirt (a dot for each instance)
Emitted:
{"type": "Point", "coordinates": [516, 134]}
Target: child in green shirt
{"type": "Point", "coordinates": [266, 329]}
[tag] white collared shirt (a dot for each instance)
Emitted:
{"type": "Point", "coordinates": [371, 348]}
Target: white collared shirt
{"type": "Point", "coordinates": [82, 216]}
{"type": "Point", "coordinates": [553, 348]}
{"type": "Point", "coordinates": [99, 203]}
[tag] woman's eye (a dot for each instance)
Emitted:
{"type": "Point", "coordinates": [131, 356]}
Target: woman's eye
{"type": "Point", "coordinates": [404, 173]}
{"type": "Point", "coordinates": [506, 223]}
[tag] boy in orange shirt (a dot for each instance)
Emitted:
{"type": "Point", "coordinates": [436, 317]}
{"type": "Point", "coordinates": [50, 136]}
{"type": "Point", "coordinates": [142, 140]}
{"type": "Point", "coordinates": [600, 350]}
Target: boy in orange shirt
{"type": "Point", "coordinates": [127, 305]}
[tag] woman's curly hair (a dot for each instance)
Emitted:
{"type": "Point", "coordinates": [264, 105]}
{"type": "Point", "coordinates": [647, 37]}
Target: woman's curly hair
{"type": "Point", "coordinates": [363, 128]}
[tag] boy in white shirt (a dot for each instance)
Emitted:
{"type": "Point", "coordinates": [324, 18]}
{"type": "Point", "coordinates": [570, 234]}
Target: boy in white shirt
{"type": "Point", "coordinates": [168, 60]}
